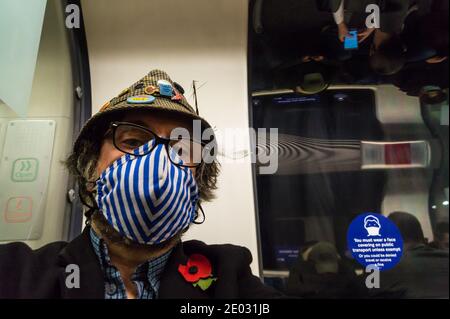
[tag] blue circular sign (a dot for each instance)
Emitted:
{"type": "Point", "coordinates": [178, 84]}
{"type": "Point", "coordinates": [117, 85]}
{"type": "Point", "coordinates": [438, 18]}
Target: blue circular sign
{"type": "Point", "coordinates": [375, 240]}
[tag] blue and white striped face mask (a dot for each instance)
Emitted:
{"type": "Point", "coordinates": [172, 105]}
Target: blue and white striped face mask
{"type": "Point", "coordinates": [147, 198]}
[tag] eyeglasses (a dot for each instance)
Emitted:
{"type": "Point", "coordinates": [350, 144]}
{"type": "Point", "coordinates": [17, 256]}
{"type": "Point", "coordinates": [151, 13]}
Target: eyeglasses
{"type": "Point", "coordinates": [129, 137]}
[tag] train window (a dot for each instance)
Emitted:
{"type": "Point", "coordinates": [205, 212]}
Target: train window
{"type": "Point", "coordinates": [359, 131]}
{"type": "Point", "coordinates": [38, 116]}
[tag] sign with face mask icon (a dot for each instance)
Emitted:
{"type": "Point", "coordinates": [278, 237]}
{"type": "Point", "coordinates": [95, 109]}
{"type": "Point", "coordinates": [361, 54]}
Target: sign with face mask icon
{"type": "Point", "coordinates": [375, 240]}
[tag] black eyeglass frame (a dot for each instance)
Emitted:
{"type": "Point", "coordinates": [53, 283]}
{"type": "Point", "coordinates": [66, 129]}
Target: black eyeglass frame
{"type": "Point", "coordinates": [158, 140]}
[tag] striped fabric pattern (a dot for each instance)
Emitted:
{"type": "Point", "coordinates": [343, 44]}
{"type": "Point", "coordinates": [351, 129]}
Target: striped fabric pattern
{"type": "Point", "coordinates": [147, 198]}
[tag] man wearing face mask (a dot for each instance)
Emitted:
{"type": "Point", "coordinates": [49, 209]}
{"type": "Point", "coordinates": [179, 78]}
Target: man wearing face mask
{"type": "Point", "coordinates": [142, 172]}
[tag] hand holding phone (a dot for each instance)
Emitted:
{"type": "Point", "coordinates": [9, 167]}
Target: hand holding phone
{"type": "Point", "coordinates": [351, 41]}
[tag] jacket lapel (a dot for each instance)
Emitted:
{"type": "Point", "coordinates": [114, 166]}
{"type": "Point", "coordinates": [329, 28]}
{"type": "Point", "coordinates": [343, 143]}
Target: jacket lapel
{"type": "Point", "coordinates": [81, 253]}
{"type": "Point", "coordinates": [172, 284]}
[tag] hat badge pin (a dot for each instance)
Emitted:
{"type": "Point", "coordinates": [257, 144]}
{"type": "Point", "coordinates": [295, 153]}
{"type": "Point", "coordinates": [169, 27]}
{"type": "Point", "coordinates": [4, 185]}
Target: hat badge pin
{"type": "Point", "coordinates": [165, 88]}
{"type": "Point", "coordinates": [151, 89]}
{"type": "Point", "coordinates": [105, 106]}
{"type": "Point", "coordinates": [141, 99]}
{"type": "Point", "coordinates": [124, 91]}
{"type": "Point", "coordinates": [177, 97]}
{"type": "Point", "coordinates": [139, 86]}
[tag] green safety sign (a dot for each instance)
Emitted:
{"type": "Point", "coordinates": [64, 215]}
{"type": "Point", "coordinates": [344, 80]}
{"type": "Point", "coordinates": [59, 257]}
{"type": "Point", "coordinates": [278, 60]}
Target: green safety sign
{"type": "Point", "coordinates": [25, 170]}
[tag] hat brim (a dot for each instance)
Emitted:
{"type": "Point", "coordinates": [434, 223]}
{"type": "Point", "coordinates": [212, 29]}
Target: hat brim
{"type": "Point", "coordinates": [299, 89]}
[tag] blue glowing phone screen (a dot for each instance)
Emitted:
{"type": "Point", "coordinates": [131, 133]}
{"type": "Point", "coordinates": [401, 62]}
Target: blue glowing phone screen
{"type": "Point", "coordinates": [351, 42]}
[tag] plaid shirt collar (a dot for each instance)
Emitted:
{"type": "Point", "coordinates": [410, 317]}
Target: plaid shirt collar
{"type": "Point", "coordinates": [146, 277]}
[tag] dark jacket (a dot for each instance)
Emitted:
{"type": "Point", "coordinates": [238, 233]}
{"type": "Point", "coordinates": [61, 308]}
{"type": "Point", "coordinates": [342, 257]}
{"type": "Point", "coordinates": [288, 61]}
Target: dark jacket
{"type": "Point", "coordinates": [27, 273]}
{"type": "Point", "coordinates": [422, 273]}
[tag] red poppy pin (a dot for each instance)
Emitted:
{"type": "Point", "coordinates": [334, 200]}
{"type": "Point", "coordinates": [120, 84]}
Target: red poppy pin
{"type": "Point", "coordinates": [198, 271]}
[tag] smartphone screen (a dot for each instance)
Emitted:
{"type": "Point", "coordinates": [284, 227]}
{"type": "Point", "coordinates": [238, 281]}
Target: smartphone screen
{"type": "Point", "coordinates": [351, 42]}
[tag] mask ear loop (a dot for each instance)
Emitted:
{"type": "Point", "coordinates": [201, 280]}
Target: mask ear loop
{"type": "Point", "coordinates": [203, 213]}
{"type": "Point", "coordinates": [88, 214]}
